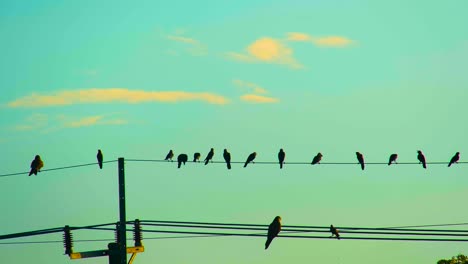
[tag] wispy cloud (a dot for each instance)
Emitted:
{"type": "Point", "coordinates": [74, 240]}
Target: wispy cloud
{"type": "Point", "coordinates": [122, 95]}
{"type": "Point", "coordinates": [89, 121]}
{"type": "Point", "coordinates": [267, 50]}
{"type": "Point", "coordinates": [196, 47]}
{"type": "Point", "coordinates": [328, 41]}
{"type": "Point", "coordinates": [33, 122]}
{"type": "Point", "coordinates": [254, 98]}
{"type": "Point", "coordinates": [251, 87]}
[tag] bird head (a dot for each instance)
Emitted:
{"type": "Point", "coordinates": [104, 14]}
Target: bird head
{"type": "Point", "coordinates": [278, 218]}
{"type": "Point", "coordinates": [319, 154]}
{"type": "Point", "coordinates": [37, 157]}
{"type": "Point", "coordinates": [419, 152]}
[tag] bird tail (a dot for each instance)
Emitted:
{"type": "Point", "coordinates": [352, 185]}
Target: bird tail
{"type": "Point", "coordinates": [178, 164]}
{"type": "Point", "coordinates": [362, 166]}
{"type": "Point", "coordinates": [206, 161]}
{"type": "Point", "coordinates": [281, 165]}
{"type": "Point", "coordinates": [245, 164]}
{"type": "Point", "coordinates": [100, 165]}
{"type": "Point", "coordinates": [267, 243]}
{"type": "Point", "coordinates": [31, 172]}
{"type": "Point", "coordinates": [389, 162]}
{"type": "Point", "coordinates": [229, 166]}
{"type": "Point", "coordinates": [424, 165]}
{"type": "Point", "coordinates": [450, 164]}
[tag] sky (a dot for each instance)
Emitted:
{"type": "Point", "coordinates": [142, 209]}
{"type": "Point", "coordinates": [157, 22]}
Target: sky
{"type": "Point", "coordinates": [138, 78]}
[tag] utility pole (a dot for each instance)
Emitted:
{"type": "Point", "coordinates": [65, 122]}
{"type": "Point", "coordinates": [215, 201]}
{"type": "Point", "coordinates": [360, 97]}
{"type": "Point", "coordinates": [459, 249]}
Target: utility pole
{"type": "Point", "coordinates": [121, 229]}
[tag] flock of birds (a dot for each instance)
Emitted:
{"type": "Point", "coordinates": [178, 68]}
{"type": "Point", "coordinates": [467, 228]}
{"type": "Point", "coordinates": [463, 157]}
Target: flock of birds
{"type": "Point", "coordinates": [37, 163]}
{"type": "Point", "coordinates": [275, 228]}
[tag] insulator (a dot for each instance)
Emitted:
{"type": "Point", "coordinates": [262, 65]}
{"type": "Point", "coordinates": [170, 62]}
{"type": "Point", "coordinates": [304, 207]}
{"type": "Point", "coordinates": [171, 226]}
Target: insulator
{"type": "Point", "coordinates": [67, 240]}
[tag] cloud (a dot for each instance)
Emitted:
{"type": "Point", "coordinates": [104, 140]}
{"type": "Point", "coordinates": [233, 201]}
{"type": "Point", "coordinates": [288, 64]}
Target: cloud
{"type": "Point", "coordinates": [267, 50]}
{"type": "Point", "coordinates": [89, 121]}
{"type": "Point", "coordinates": [196, 47]}
{"type": "Point", "coordinates": [183, 39]}
{"type": "Point", "coordinates": [122, 95]}
{"type": "Point", "coordinates": [250, 86]}
{"type": "Point", "coordinates": [254, 98]}
{"type": "Point", "coordinates": [329, 41]}
{"type": "Point", "coordinates": [33, 122]}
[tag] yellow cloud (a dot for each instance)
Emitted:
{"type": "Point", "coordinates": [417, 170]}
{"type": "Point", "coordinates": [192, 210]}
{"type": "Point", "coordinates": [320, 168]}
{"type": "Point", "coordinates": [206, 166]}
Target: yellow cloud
{"type": "Point", "coordinates": [329, 41]}
{"type": "Point", "coordinates": [196, 49]}
{"type": "Point", "coordinates": [97, 95]}
{"type": "Point", "coordinates": [251, 86]}
{"type": "Point", "coordinates": [254, 98]}
{"type": "Point", "coordinates": [183, 39]}
{"type": "Point", "coordinates": [267, 50]}
{"type": "Point", "coordinates": [90, 121]}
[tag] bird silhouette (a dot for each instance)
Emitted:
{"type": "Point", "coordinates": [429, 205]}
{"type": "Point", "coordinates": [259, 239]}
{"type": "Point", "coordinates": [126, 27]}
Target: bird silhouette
{"type": "Point", "coordinates": [209, 156]}
{"type": "Point", "coordinates": [169, 155]}
{"type": "Point", "coordinates": [36, 165]}
{"type": "Point", "coordinates": [392, 158]}
{"type": "Point", "coordinates": [227, 158]}
{"type": "Point", "coordinates": [454, 159]}
{"type": "Point", "coordinates": [250, 158]}
{"type": "Point", "coordinates": [196, 157]}
{"type": "Point", "coordinates": [317, 159]}
{"type": "Point", "coordinates": [99, 158]}
{"type": "Point", "coordinates": [360, 159]}
{"type": "Point", "coordinates": [182, 158]}
{"type": "Point", "coordinates": [422, 159]}
{"type": "Point", "coordinates": [273, 230]}
{"type": "Point", "coordinates": [334, 232]}
{"type": "Point", "coordinates": [281, 156]}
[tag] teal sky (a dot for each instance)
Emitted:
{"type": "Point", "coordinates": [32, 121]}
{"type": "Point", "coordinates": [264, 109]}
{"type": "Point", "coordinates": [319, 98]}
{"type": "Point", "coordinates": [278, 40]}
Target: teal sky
{"type": "Point", "coordinates": [138, 78]}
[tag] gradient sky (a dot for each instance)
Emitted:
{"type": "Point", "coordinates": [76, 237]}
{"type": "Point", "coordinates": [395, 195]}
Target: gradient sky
{"type": "Point", "coordinates": [137, 78]}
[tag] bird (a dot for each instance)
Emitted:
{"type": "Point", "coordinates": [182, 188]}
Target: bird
{"type": "Point", "coordinates": [273, 230]}
{"type": "Point", "coordinates": [169, 155]}
{"type": "Point", "coordinates": [281, 156]}
{"type": "Point", "coordinates": [250, 158]}
{"type": "Point", "coordinates": [227, 158]}
{"type": "Point", "coordinates": [317, 159]}
{"type": "Point", "coordinates": [182, 158]}
{"type": "Point", "coordinates": [36, 165]}
{"type": "Point", "coordinates": [454, 159]}
{"type": "Point", "coordinates": [360, 158]}
{"type": "Point", "coordinates": [196, 157]}
{"type": "Point", "coordinates": [99, 158]}
{"type": "Point", "coordinates": [422, 159]}
{"type": "Point", "coordinates": [209, 156]}
{"type": "Point", "coordinates": [392, 158]}
{"type": "Point", "coordinates": [334, 232]}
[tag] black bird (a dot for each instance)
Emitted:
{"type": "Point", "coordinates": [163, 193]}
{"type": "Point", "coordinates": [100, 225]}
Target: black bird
{"type": "Point", "coordinates": [169, 155]}
{"type": "Point", "coordinates": [182, 158]}
{"type": "Point", "coordinates": [209, 156]}
{"type": "Point", "coordinates": [227, 158]}
{"type": "Point", "coordinates": [454, 159]}
{"type": "Point", "coordinates": [392, 158]}
{"type": "Point", "coordinates": [273, 230]}
{"type": "Point", "coordinates": [196, 157]}
{"type": "Point", "coordinates": [421, 158]}
{"type": "Point", "coordinates": [360, 158]}
{"type": "Point", "coordinates": [99, 158]}
{"type": "Point", "coordinates": [281, 156]}
{"type": "Point", "coordinates": [317, 159]}
{"type": "Point", "coordinates": [250, 158]}
{"type": "Point", "coordinates": [36, 165]}
{"type": "Point", "coordinates": [334, 232]}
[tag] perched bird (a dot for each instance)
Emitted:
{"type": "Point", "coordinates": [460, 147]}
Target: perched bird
{"type": "Point", "coordinates": [317, 159]}
{"type": "Point", "coordinates": [227, 158]}
{"type": "Point", "coordinates": [454, 159]}
{"type": "Point", "coordinates": [99, 158]}
{"type": "Point", "coordinates": [360, 158]}
{"type": "Point", "coordinates": [421, 158]}
{"type": "Point", "coordinates": [169, 155]}
{"type": "Point", "coordinates": [250, 158]}
{"type": "Point", "coordinates": [209, 156]}
{"type": "Point", "coordinates": [334, 232]}
{"type": "Point", "coordinates": [281, 156]}
{"type": "Point", "coordinates": [182, 158]}
{"type": "Point", "coordinates": [273, 230]}
{"type": "Point", "coordinates": [392, 158]}
{"type": "Point", "coordinates": [36, 165]}
{"type": "Point", "coordinates": [196, 157]}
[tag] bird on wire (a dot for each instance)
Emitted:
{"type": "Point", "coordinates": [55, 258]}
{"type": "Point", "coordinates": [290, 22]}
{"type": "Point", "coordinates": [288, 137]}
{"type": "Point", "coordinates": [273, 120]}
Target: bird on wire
{"type": "Point", "coordinates": [250, 158]}
{"type": "Point", "coordinates": [100, 158]}
{"type": "Point", "coordinates": [169, 155]}
{"type": "Point", "coordinates": [196, 157]}
{"type": "Point", "coordinates": [317, 159]}
{"type": "Point", "coordinates": [454, 159]}
{"type": "Point", "coordinates": [209, 156]}
{"type": "Point", "coordinates": [182, 158]}
{"type": "Point", "coordinates": [36, 165]}
{"type": "Point", "coordinates": [392, 159]}
{"type": "Point", "coordinates": [273, 231]}
{"type": "Point", "coordinates": [227, 158]}
{"type": "Point", "coordinates": [360, 159]}
{"type": "Point", "coordinates": [422, 159]}
{"type": "Point", "coordinates": [334, 232]}
{"type": "Point", "coordinates": [281, 156]}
